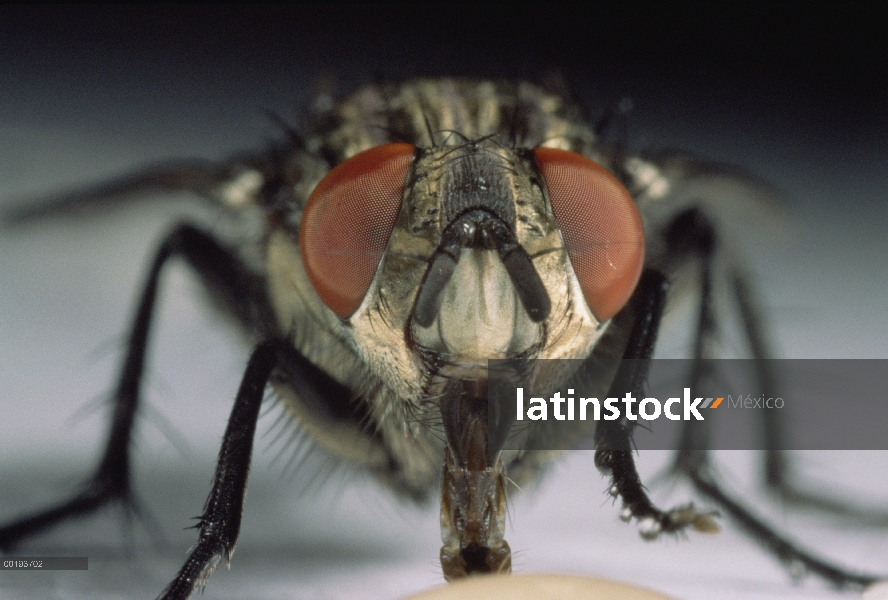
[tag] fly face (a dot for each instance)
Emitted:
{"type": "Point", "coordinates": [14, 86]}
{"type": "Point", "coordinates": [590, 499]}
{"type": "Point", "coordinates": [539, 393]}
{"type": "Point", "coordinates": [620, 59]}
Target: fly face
{"type": "Point", "coordinates": [475, 268]}
{"type": "Point", "coordinates": [457, 287]}
{"type": "Point", "coordinates": [475, 264]}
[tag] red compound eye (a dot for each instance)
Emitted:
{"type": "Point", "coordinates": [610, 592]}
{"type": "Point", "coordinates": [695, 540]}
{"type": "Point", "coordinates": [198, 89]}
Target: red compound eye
{"type": "Point", "coordinates": [347, 223]}
{"type": "Point", "coordinates": [600, 225]}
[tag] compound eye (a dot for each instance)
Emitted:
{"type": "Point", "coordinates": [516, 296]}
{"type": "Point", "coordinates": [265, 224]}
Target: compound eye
{"type": "Point", "coordinates": [347, 223]}
{"type": "Point", "coordinates": [600, 225]}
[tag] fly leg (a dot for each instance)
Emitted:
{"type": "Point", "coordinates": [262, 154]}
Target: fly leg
{"type": "Point", "coordinates": [237, 291]}
{"type": "Point", "coordinates": [219, 524]}
{"type": "Point", "coordinates": [692, 237]}
{"type": "Point", "coordinates": [777, 476]}
{"type": "Point", "coordinates": [693, 234]}
{"type": "Point", "coordinates": [613, 439]}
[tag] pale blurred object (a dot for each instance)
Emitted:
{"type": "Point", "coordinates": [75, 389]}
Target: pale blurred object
{"type": "Point", "coordinates": [877, 591]}
{"type": "Point", "coordinates": [530, 587]}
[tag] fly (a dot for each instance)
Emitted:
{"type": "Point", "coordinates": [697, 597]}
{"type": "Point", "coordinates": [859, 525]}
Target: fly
{"type": "Point", "coordinates": [412, 233]}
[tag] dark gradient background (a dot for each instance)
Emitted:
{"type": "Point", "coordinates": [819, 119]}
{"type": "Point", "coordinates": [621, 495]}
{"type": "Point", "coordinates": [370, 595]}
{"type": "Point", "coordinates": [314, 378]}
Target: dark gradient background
{"type": "Point", "coordinates": [796, 95]}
